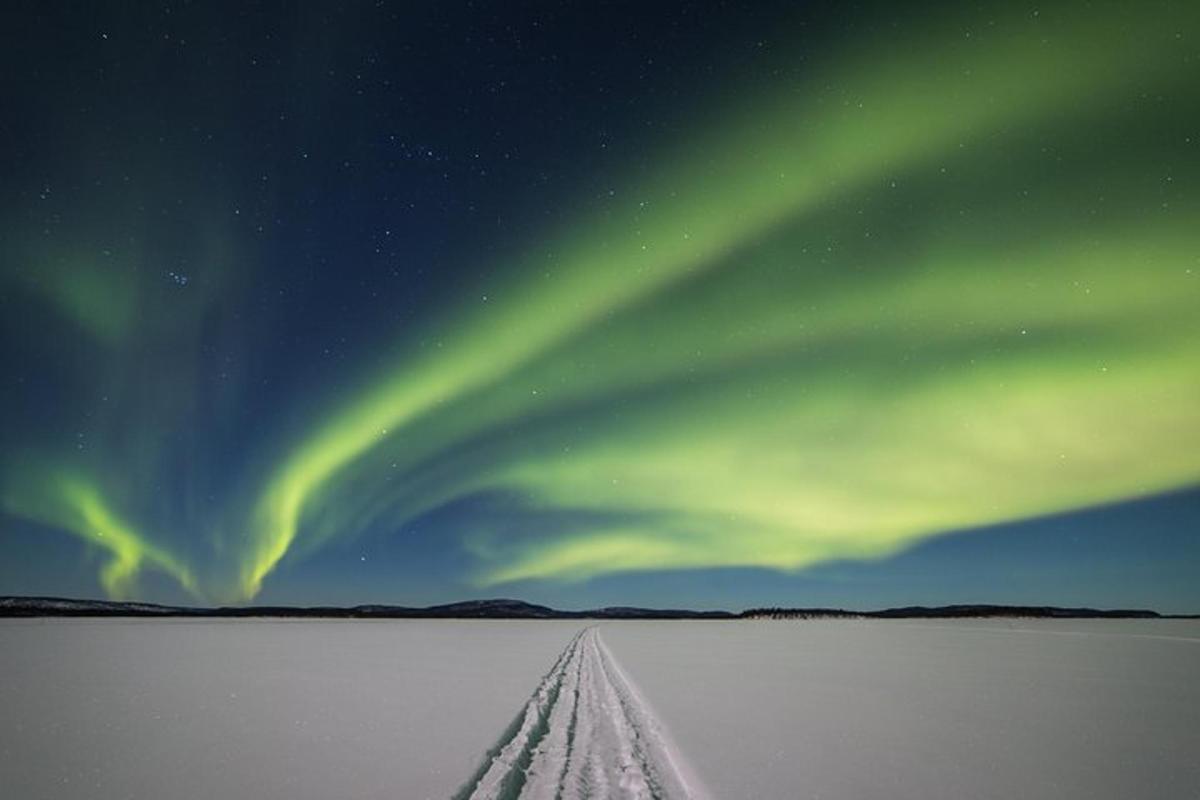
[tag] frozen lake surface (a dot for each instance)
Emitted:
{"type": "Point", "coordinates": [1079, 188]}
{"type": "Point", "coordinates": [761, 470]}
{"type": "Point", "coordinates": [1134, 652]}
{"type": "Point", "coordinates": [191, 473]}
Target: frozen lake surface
{"type": "Point", "coordinates": [841, 710]}
{"type": "Point", "coordinates": [194, 709]}
{"type": "Point", "coordinates": [586, 732]}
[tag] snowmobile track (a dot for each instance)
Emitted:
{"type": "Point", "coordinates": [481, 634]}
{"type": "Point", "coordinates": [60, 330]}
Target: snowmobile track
{"type": "Point", "coordinates": [585, 733]}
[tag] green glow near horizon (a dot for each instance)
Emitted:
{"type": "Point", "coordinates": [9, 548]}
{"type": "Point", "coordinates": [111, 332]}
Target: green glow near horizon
{"type": "Point", "coordinates": [830, 492]}
{"type": "Point", "coordinates": [73, 503]}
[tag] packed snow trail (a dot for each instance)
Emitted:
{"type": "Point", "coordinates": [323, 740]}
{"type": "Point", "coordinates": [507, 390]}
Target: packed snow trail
{"type": "Point", "coordinates": [585, 733]}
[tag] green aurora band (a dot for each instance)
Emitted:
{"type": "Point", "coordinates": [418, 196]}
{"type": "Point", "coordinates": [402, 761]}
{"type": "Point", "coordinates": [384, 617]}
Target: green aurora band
{"type": "Point", "coordinates": [74, 504]}
{"type": "Point", "coordinates": [938, 284]}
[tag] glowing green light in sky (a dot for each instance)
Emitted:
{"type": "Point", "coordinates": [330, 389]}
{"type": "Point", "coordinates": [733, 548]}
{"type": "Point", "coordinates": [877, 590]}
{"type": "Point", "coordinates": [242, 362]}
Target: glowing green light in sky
{"type": "Point", "coordinates": [834, 447]}
{"type": "Point", "coordinates": [936, 282]}
{"type": "Point", "coordinates": [76, 504]}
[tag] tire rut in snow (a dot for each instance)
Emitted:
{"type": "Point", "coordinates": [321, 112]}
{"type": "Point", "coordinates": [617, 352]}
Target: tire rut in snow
{"type": "Point", "coordinates": [585, 733]}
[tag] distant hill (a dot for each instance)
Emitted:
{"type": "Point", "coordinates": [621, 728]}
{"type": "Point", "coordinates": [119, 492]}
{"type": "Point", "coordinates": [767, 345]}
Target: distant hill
{"type": "Point", "coordinates": [952, 612]}
{"type": "Point", "coordinates": [470, 609]}
{"type": "Point", "coordinates": [517, 609]}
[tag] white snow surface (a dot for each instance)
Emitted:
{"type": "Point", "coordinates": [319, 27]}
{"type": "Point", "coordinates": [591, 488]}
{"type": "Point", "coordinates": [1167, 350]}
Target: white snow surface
{"type": "Point", "coordinates": [412, 709]}
{"type": "Point", "coordinates": [586, 732]}
{"type": "Point", "coordinates": [927, 710]}
{"type": "Point", "coordinates": [266, 709]}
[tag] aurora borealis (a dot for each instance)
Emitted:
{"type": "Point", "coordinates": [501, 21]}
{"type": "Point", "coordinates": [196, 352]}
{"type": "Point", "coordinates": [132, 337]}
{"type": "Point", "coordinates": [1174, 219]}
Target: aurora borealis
{"type": "Point", "coordinates": [527, 299]}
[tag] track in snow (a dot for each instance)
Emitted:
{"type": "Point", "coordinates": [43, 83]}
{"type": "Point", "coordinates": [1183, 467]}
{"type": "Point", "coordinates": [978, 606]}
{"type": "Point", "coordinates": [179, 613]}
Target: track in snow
{"type": "Point", "coordinates": [585, 733]}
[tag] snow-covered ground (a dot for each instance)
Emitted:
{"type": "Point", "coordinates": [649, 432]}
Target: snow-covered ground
{"type": "Point", "coordinates": [927, 709]}
{"type": "Point", "coordinates": [194, 709]}
{"type": "Point", "coordinates": [586, 732]}
{"type": "Point", "coordinates": [197, 710]}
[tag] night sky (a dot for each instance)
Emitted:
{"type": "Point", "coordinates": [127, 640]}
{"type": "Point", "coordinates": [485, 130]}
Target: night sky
{"type": "Point", "coordinates": [691, 304]}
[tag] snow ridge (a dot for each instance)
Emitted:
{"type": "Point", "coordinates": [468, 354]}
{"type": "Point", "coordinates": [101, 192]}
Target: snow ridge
{"type": "Point", "coordinates": [585, 732]}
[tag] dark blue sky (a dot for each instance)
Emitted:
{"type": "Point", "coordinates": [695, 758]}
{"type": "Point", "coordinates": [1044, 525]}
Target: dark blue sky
{"type": "Point", "coordinates": [691, 304]}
